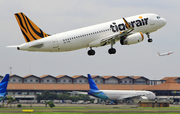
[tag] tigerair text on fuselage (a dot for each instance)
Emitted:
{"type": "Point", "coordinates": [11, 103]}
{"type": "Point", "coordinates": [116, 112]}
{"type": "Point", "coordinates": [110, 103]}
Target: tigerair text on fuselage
{"type": "Point", "coordinates": [122, 26]}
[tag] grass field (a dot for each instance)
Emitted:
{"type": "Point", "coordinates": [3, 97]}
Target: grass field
{"type": "Point", "coordinates": [91, 109]}
{"type": "Point", "coordinates": [83, 113]}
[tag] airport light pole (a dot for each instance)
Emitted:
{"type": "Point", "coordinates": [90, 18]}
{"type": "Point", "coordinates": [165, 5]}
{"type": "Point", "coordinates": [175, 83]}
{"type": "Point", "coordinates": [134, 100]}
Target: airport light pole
{"type": "Point", "coordinates": [10, 68]}
{"type": "Point", "coordinates": [101, 82]}
{"type": "Point", "coordinates": [131, 81]}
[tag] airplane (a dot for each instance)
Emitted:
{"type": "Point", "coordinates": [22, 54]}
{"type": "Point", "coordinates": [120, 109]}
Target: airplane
{"type": "Point", "coordinates": [127, 31]}
{"type": "Point", "coordinates": [3, 87]}
{"type": "Point", "coordinates": [117, 95]}
{"type": "Point", "coordinates": [164, 54]}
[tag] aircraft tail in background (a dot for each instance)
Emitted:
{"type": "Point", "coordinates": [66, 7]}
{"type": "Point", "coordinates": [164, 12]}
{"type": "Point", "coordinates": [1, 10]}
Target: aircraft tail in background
{"type": "Point", "coordinates": [3, 87]}
{"type": "Point", "coordinates": [92, 84]}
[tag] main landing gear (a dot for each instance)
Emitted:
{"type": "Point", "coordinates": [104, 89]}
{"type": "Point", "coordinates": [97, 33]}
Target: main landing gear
{"type": "Point", "coordinates": [149, 39]}
{"type": "Point", "coordinates": [91, 52]}
{"type": "Point", "coordinates": [112, 50]}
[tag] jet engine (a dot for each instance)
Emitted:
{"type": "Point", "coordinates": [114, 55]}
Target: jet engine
{"type": "Point", "coordinates": [132, 39]}
{"type": "Point", "coordinates": [143, 97]}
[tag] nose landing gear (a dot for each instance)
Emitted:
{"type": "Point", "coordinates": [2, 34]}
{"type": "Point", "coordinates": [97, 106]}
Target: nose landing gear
{"type": "Point", "coordinates": [149, 39]}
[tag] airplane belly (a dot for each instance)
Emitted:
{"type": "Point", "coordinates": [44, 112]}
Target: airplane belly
{"type": "Point", "coordinates": [112, 96]}
{"type": "Point", "coordinates": [70, 46]}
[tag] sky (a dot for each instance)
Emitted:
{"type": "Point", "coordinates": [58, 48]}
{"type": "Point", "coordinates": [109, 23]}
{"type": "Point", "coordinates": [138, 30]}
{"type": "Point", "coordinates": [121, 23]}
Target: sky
{"type": "Point", "coordinates": [57, 16]}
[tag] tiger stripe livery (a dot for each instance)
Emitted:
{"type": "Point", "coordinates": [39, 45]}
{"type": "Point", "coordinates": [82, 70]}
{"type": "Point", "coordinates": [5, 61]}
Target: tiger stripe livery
{"type": "Point", "coordinates": [29, 30]}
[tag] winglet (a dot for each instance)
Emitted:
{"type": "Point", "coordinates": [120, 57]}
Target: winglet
{"type": "Point", "coordinates": [92, 84]}
{"type": "Point", "coordinates": [127, 24]}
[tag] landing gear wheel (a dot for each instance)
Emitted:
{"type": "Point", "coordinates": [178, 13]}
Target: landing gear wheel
{"type": "Point", "coordinates": [150, 40]}
{"type": "Point", "coordinates": [91, 52]}
{"type": "Point", "coordinates": [112, 51]}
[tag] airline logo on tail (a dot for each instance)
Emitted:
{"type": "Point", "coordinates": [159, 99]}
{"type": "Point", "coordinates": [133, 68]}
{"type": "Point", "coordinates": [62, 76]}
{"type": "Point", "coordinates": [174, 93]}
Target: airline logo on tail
{"type": "Point", "coordinates": [29, 30]}
{"type": "Point", "coordinates": [3, 87]}
{"type": "Point", "coordinates": [94, 91]}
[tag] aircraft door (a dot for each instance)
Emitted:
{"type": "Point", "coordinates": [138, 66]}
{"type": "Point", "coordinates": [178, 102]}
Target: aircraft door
{"type": "Point", "coordinates": [55, 42]}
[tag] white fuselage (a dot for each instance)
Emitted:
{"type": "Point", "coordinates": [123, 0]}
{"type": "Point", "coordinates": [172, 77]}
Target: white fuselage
{"type": "Point", "coordinates": [164, 54]}
{"type": "Point", "coordinates": [82, 38]}
{"type": "Point", "coordinates": [123, 94]}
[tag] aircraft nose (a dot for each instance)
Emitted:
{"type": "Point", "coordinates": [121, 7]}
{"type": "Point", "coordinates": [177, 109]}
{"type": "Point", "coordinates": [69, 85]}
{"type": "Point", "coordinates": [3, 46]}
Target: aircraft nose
{"type": "Point", "coordinates": [153, 96]}
{"type": "Point", "coordinates": [163, 22]}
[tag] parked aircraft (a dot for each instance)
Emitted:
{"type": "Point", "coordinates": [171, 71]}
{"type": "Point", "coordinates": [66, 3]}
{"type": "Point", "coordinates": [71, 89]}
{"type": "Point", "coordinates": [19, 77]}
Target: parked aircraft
{"type": "Point", "coordinates": [3, 87]}
{"type": "Point", "coordinates": [166, 53]}
{"type": "Point", "coordinates": [117, 95]}
{"type": "Point", "coordinates": [127, 31]}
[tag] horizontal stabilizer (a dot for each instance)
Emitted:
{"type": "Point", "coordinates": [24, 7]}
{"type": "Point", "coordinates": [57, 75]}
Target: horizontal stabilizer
{"type": "Point", "coordinates": [37, 45]}
{"type": "Point", "coordinates": [12, 46]}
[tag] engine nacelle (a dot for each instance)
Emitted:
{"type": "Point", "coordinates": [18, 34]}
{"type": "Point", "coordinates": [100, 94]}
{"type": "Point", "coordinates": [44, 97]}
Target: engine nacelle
{"type": "Point", "coordinates": [132, 39]}
{"type": "Point", "coordinates": [143, 97]}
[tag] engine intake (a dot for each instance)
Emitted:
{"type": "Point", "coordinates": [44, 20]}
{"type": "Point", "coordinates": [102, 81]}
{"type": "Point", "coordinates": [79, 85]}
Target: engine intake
{"type": "Point", "coordinates": [132, 39]}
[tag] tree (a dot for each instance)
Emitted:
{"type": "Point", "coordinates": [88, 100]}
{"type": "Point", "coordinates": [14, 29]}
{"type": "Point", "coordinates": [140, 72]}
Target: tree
{"type": "Point", "coordinates": [63, 96]}
{"type": "Point", "coordinates": [46, 95]}
{"type": "Point", "coordinates": [10, 101]}
{"type": "Point", "coordinates": [74, 98]}
{"type": "Point", "coordinates": [51, 104]}
{"type": "Point", "coordinates": [38, 98]}
{"type": "Point", "coordinates": [83, 97]}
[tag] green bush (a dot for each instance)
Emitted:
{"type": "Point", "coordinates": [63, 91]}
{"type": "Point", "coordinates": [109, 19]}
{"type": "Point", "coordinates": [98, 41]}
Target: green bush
{"type": "Point", "coordinates": [51, 104]}
{"type": "Point", "coordinates": [19, 105]}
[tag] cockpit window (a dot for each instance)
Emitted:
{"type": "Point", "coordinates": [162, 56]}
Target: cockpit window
{"type": "Point", "coordinates": [158, 17]}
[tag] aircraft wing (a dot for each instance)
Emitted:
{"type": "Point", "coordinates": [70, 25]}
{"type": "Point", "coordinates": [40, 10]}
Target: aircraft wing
{"type": "Point", "coordinates": [130, 96]}
{"type": "Point", "coordinates": [111, 39]}
{"type": "Point", "coordinates": [12, 46]}
{"type": "Point", "coordinates": [79, 92]}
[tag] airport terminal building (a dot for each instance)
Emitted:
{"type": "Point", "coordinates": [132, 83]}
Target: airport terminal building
{"type": "Point", "coordinates": [27, 87]}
